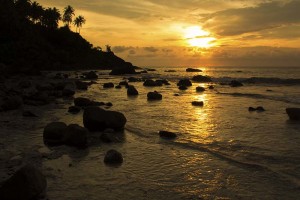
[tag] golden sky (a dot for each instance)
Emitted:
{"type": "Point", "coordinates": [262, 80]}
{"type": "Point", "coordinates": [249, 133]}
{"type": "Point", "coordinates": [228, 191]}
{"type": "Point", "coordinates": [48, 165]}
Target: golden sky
{"type": "Point", "coordinates": [193, 32]}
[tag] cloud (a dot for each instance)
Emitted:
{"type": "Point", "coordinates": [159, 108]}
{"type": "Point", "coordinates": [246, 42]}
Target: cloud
{"type": "Point", "coordinates": [120, 49]}
{"type": "Point", "coordinates": [151, 49]}
{"type": "Point", "coordinates": [252, 19]}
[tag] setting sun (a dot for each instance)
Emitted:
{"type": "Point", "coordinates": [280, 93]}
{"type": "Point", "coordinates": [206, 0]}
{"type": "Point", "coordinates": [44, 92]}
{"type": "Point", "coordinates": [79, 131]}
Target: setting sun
{"type": "Point", "coordinates": [197, 37]}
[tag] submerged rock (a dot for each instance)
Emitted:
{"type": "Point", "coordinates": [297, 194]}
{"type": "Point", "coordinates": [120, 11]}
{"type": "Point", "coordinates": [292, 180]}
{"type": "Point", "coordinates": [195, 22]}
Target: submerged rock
{"type": "Point", "coordinates": [150, 83]}
{"type": "Point", "coordinates": [251, 109]}
{"type": "Point", "coordinates": [200, 89]}
{"type": "Point", "coordinates": [132, 91]}
{"type": "Point", "coordinates": [201, 79]}
{"type": "Point", "coordinates": [154, 96]}
{"type": "Point", "coordinates": [193, 70]}
{"type": "Point", "coordinates": [235, 83]}
{"type": "Point", "coordinates": [113, 157]}
{"type": "Point", "coordinates": [184, 82]}
{"type": "Point", "coordinates": [167, 134]}
{"type": "Point", "coordinates": [293, 113]}
{"type": "Point", "coordinates": [54, 133]}
{"type": "Point", "coordinates": [197, 103]}
{"type": "Point", "coordinates": [27, 183]}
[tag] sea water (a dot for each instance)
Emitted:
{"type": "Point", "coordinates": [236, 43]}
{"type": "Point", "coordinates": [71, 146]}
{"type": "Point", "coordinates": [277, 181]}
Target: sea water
{"type": "Point", "coordinates": [222, 151]}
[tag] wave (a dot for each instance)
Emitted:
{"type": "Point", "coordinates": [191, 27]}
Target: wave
{"type": "Point", "coordinates": [260, 96]}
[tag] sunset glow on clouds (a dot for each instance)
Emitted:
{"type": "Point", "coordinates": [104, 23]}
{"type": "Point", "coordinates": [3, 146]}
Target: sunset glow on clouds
{"type": "Point", "coordinates": [193, 32]}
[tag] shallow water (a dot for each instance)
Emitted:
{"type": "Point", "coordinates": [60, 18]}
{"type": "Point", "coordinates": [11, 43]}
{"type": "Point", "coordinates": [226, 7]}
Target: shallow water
{"type": "Point", "coordinates": [222, 151]}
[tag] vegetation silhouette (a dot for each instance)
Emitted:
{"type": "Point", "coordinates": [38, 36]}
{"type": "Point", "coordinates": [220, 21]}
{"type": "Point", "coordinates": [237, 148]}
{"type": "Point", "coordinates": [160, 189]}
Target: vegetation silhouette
{"type": "Point", "coordinates": [31, 40]}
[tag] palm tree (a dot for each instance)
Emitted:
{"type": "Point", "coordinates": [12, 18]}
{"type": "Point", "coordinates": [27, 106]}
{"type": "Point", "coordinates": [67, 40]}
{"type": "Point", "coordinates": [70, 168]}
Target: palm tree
{"type": "Point", "coordinates": [36, 12]}
{"type": "Point", "coordinates": [78, 22]}
{"type": "Point", "coordinates": [68, 15]}
{"type": "Point", "coordinates": [51, 17]}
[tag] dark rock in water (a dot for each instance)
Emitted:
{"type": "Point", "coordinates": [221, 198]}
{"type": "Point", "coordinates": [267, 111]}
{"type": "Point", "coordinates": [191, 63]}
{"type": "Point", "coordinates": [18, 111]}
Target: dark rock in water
{"type": "Point", "coordinates": [82, 102]}
{"type": "Point", "coordinates": [91, 75]}
{"type": "Point", "coordinates": [235, 83]}
{"type": "Point", "coordinates": [182, 87]}
{"type": "Point", "coordinates": [151, 70]}
{"type": "Point", "coordinates": [154, 96]}
{"type": "Point", "coordinates": [260, 109]}
{"type": "Point", "coordinates": [28, 113]}
{"type": "Point", "coordinates": [251, 109]}
{"type": "Point", "coordinates": [197, 103]}
{"type": "Point", "coordinates": [211, 87]}
{"type": "Point", "coordinates": [113, 157]}
{"type": "Point", "coordinates": [109, 104]}
{"type": "Point", "coordinates": [80, 85]}
{"type": "Point", "coordinates": [167, 134]}
{"type": "Point", "coordinates": [12, 103]}
{"type": "Point", "coordinates": [27, 183]}
{"type": "Point", "coordinates": [69, 90]}
{"type": "Point", "coordinates": [54, 133]}
{"type": "Point", "coordinates": [150, 83]}
{"type": "Point", "coordinates": [143, 72]}
{"type": "Point", "coordinates": [293, 113]}
{"type": "Point", "coordinates": [269, 90]}
{"type": "Point", "coordinates": [133, 79]}
{"type": "Point", "coordinates": [201, 79]}
{"type": "Point", "coordinates": [132, 91]}
{"type": "Point", "coordinates": [108, 85]}
{"type": "Point", "coordinates": [200, 89]}
{"type": "Point", "coordinates": [193, 70]}
{"type": "Point", "coordinates": [74, 109]}
{"type": "Point", "coordinates": [125, 83]}
{"type": "Point", "coordinates": [104, 137]}
{"type": "Point", "coordinates": [161, 82]}
{"type": "Point", "coordinates": [176, 95]}
{"type": "Point", "coordinates": [76, 136]}
{"type": "Point", "coordinates": [184, 82]}
{"type": "Point", "coordinates": [127, 68]}
{"type": "Point", "coordinates": [98, 119]}
{"type": "Point", "coordinates": [118, 87]}
{"type": "Point", "coordinates": [170, 70]}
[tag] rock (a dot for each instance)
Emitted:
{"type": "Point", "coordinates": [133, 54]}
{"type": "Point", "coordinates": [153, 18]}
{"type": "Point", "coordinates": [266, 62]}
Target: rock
{"type": "Point", "coordinates": [151, 70]}
{"type": "Point", "coordinates": [125, 83]}
{"type": "Point", "coordinates": [28, 113]}
{"type": "Point", "coordinates": [108, 85]}
{"type": "Point", "coordinates": [211, 87]}
{"type": "Point", "coordinates": [74, 109]}
{"type": "Point", "coordinates": [176, 95]}
{"type": "Point", "coordinates": [235, 83]}
{"type": "Point", "coordinates": [91, 75]}
{"type": "Point", "coordinates": [200, 89]}
{"type": "Point", "coordinates": [251, 109]}
{"type": "Point", "coordinates": [126, 69]}
{"type": "Point", "coordinates": [76, 136]}
{"type": "Point", "coordinates": [182, 87]}
{"type": "Point", "coordinates": [184, 82]}
{"type": "Point", "coordinates": [154, 96]}
{"type": "Point", "coordinates": [201, 79]}
{"type": "Point", "coordinates": [12, 103]}
{"type": "Point", "coordinates": [193, 70]}
{"type": "Point", "coordinates": [54, 133]}
{"type": "Point", "coordinates": [150, 83]}
{"type": "Point", "coordinates": [197, 103]}
{"type": "Point", "coordinates": [133, 79]}
{"type": "Point", "coordinates": [109, 104]}
{"type": "Point", "coordinates": [113, 157]}
{"type": "Point", "coordinates": [80, 85]}
{"type": "Point", "coordinates": [118, 87]}
{"type": "Point", "coordinates": [104, 137]}
{"type": "Point", "coordinates": [170, 70]}
{"type": "Point", "coordinates": [260, 109]}
{"type": "Point", "coordinates": [131, 91]}
{"type": "Point", "coordinates": [98, 119]}
{"type": "Point", "coordinates": [82, 102]}
{"type": "Point", "coordinates": [167, 134]}
{"type": "Point", "coordinates": [27, 183]}
{"type": "Point", "coordinates": [69, 89]}
{"type": "Point", "coordinates": [293, 113]}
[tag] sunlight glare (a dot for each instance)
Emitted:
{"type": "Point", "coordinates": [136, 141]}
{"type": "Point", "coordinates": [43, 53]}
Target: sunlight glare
{"type": "Point", "coordinates": [197, 37]}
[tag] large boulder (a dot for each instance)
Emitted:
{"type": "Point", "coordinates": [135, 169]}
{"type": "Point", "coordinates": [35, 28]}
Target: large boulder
{"type": "Point", "coordinates": [293, 113]}
{"type": "Point", "coordinates": [132, 91]}
{"type": "Point", "coordinates": [54, 133]}
{"type": "Point", "coordinates": [201, 79]}
{"type": "Point", "coordinates": [27, 183]}
{"type": "Point", "coordinates": [91, 75]}
{"type": "Point", "coordinates": [193, 70]}
{"type": "Point", "coordinates": [184, 82]}
{"type": "Point", "coordinates": [98, 119]}
{"type": "Point", "coordinates": [113, 157]}
{"type": "Point", "coordinates": [154, 96]}
{"type": "Point", "coordinates": [76, 136]}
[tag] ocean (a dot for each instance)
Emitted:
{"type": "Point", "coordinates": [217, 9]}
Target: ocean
{"type": "Point", "coordinates": [222, 151]}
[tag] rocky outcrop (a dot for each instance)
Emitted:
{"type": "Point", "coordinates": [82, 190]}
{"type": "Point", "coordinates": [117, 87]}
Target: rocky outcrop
{"type": "Point", "coordinates": [97, 119]}
{"type": "Point", "coordinates": [293, 113]}
{"type": "Point", "coordinates": [201, 79]}
{"type": "Point", "coordinates": [27, 183]}
{"type": "Point", "coordinates": [154, 96]}
{"type": "Point", "coordinates": [113, 157]}
{"type": "Point", "coordinates": [132, 91]}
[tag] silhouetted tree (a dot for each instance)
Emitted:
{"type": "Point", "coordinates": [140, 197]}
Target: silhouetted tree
{"type": "Point", "coordinates": [51, 17]}
{"type": "Point", "coordinates": [68, 15]}
{"type": "Point", "coordinates": [36, 12]}
{"type": "Point", "coordinates": [78, 22]}
{"type": "Point", "coordinates": [108, 48]}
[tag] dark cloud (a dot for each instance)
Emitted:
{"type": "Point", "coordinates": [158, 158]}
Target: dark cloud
{"type": "Point", "coordinates": [252, 19]}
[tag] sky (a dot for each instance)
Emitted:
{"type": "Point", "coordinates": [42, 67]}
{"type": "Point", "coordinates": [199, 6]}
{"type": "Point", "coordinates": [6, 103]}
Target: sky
{"type": "Point", "coordinates": [193, 32]}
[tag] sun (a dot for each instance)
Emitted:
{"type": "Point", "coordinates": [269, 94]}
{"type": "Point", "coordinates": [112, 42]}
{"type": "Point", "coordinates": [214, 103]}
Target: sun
{"type": "Point", "coordinates": [197, 37]}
